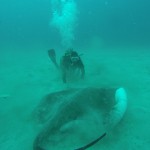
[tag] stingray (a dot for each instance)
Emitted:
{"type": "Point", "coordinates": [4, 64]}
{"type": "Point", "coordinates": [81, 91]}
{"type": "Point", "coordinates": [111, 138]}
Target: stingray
{"type": "Point", "coordinates": [76, 119]}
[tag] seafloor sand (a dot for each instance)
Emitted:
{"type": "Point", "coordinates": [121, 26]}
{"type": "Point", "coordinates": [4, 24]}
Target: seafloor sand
{"type": "Point", "coordinates": [27, 75]}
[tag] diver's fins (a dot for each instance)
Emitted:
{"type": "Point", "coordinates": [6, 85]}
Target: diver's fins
{"type": "Point", "coordinates": [52, 56]}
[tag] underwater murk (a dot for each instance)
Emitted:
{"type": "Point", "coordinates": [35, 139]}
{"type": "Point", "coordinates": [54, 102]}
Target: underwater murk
{"type": "Point", "coordinates": [109, 109]}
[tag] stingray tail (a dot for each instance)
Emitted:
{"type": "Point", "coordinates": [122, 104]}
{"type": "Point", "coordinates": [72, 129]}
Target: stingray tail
{"type": "Point", "coordinates": [92, 143]}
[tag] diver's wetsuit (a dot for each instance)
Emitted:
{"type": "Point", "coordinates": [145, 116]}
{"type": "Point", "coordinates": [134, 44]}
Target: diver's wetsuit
{"type": "Point", "coordinates": [71, 60]}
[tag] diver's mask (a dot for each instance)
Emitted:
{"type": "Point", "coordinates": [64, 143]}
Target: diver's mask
{"type": "Point", "coordinates": [74, 59]}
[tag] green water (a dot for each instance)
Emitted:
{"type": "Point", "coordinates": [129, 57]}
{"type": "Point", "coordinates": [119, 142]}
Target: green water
{"type": "Point", "coordinates": [113, 37]}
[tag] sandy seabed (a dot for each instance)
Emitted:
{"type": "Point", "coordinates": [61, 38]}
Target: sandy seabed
{"type": "Point", "coordinates": [27, 75]}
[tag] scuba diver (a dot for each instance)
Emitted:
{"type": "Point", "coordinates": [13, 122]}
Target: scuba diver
{"type": "Point", "coordinates": [70, 62]}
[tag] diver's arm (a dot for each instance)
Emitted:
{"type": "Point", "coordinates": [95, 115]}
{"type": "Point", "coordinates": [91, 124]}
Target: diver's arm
{"type": "Point", "coordinates": [63, 69]}
{"type": "Point", "coordinates": [81, 66]}
{"type": "Point", "coordinates": [64, 76]}
{"type": "Point", "coordinates": [82, 72]}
